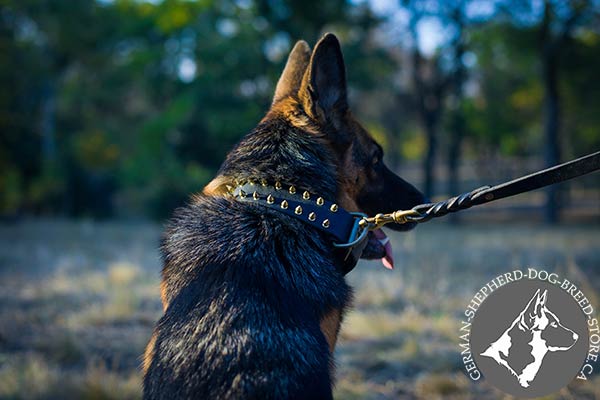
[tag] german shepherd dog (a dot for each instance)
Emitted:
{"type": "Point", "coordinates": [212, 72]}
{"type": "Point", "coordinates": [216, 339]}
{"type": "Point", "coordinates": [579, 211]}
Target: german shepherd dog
{"type": "Point", "coordinates": [253, 298]}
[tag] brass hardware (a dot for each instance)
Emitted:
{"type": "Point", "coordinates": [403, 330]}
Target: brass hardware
{"type": "Point", "coordinates": [284, 204]}
{"type": "Point", "coordinates": [326, 224]}
{"type": "Point", "coordinates": [250, 182]}
{"type": "Point", "coordinates": [270, 199]}
{"type": "Point", "coordinates": [312, 216]}
{"type": "Point", "coordinates": [264, 182]}
{"type": "Point", "coordinates": [229, 188]}
{"type": "Point", "coordinates": [292, 190]}
{"type": "Point", "coordinates": [306, 195]}
{"type": "Point", "coordinates": [277, 185]}
{"type": "Point", "coordinates": [363, 223]}
{"type": "Point", "coordinates": [242, 194]}
{"type": "Point", "coordinates": [255, 196]}
{"type": "Point", "coordinates": [399, 217]}
{"type": "Point", "coordinates": [320, 201]}
{"type": "Point", "coordinates": [298, 210]}
{"type": "Point", "coordinates": [334, 207]}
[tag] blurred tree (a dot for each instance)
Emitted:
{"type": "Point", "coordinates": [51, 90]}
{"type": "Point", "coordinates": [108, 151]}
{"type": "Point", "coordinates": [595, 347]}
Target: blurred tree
{"type": "Point", "coordinates": [430, 87]}
{"type": "Point", "coordinates": [438, 82]}
{"type": "Point", "coordinates": [457, 18]}
{"type": "Point", "coordinates": [127, 106]}
{"type": "Point", "coordinates": [554, 32]}
{"type": "Point", "coordinates": [124, 107]}
{"type": "Point", "coordinates": [555, 23]}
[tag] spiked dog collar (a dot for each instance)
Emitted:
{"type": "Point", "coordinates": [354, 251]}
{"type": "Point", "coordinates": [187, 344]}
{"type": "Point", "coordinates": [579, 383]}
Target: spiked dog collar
{"type": "Point", "coordinates": [309, 208]}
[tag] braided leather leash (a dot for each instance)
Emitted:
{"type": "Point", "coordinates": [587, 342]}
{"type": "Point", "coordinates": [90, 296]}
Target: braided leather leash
{"type": "Point", "coordinates": [349, 229]}
{"type": "Point", "coordinates": [486, 194]}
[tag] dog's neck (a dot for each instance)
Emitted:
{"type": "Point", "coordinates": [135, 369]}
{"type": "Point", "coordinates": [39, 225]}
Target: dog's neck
{"type": "Point", "coordinates": [264, 154]}
{"type": "Point", "coordinates": [342, 227]}
{"type": "Point", "coordinates": [539, 349]}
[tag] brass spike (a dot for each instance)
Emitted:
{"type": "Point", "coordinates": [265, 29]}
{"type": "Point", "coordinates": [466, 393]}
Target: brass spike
{"type": "Point", "coordinates": [270, 199]}
{"type": "Point", "coordinates": [326, 223]}
{"type": "Point", "coordinates": [264, 182]}
{"type": "Point", "coordinates": [312, 216]}
{"type": "Point", "coordinates": [292, 190]}
{"type": "Point", "coordinates": [298, 210]}
{"type": "Point", "coordinates": [255, 196]}
{"type": "Point", "coordinates": [277, 185]}
{"type": "Point", "coordinates": [320, 201]}
{"type": "Point", "coordinates": [284, 204]}
{"type": "Point", "coordinates": [334, 207]}
{"type": "Point", "coordinates": [229, 188]}
{"type": "Point", "coordinates": [242, 194]}
{"type": "Point", "coordinates": [250, 182]}
{"type": "Point", "coordinates": [306, 195]}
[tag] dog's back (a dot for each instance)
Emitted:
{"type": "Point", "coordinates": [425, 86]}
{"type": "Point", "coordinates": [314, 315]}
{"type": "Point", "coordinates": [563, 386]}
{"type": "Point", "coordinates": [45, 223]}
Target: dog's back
{"type": "Point", "coordinates": [246, 292]}
{"type": "Point", "coordinates": [253, 297]}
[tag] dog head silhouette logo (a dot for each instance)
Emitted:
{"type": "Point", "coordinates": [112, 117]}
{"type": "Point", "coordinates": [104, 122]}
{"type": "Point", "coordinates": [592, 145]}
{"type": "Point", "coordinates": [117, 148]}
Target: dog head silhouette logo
{"type": "Point", "coordinates": [529, 338]}
{"type": "Point", "coordinates": [546, 335]}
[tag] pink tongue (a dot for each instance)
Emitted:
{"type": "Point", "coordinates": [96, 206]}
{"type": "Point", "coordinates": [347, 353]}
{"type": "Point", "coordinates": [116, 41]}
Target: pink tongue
{"type": "Point", "coordinates": [388, 259]}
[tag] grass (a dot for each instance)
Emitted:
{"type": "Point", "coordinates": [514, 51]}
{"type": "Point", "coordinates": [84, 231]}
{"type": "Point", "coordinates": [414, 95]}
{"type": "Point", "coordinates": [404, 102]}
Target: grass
{"type": "Point", "coordinates": [78, 301]}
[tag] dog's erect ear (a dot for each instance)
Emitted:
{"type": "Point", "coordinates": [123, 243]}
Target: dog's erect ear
{"type": "Point", "coordinates": [530, 311]}
{"type": "Point", "coordinates": [323, 89]}
{"type": "Point", "coordinates": [540, 303]}
{"type": "Point", "coordinates": [291, 77]}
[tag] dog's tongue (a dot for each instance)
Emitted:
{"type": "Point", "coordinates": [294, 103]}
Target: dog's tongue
{"type": "Point", "coordinates": [388, 259]}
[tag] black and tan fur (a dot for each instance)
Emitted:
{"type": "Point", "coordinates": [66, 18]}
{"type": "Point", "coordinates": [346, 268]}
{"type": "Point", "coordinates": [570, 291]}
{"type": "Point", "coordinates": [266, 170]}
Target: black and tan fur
{"type": "Point", "coordinates": [253, 299]}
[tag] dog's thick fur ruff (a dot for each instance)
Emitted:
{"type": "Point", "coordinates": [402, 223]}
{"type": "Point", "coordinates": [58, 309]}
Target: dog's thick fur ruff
{"type": "Point", "coordinates": [253, 298]}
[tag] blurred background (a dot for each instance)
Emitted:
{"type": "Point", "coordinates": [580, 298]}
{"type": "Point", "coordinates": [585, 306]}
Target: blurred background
{"type": "Point", "coordinates": [112, 112]}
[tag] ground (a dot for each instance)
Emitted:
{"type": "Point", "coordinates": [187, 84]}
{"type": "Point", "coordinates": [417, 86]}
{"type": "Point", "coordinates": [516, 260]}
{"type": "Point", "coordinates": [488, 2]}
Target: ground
{"type": "Point", "coordinates": [78, 301]}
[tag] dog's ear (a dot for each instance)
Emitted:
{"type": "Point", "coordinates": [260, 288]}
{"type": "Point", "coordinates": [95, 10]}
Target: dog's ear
{"type": "Point", "coordinates": [535, 307]}
{"type": "Point", "coordinates": [530, 312]}
{"type": "Point", "coordinates": [323, 89]}
{"type": "Point", "coordinates": [291, 77]}
{"type": "Point", "coordinates": [540, 303]}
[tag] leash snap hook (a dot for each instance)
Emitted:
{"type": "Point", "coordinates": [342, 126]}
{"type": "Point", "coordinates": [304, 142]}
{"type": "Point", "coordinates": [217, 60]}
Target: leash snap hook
{"type": "Point", "coordinates": [379, 220]}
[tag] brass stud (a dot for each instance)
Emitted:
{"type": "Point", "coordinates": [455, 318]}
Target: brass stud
{"type": "Point", "coordinates": [326, 223]}
{"type": "Point", "coordinates": [334, 207]}
{"type": "Point", "coordinates": [255, 196]}
{"type": "Point", "coordinates": [312, 216]}
{"type": "Point", "coordinates": [250, 182]}
{"type": "Point", "coordinates": [306, 195]}
{"type": "Point", "coordinates": [292, 190]}
{"type": "Point", "coordinates": [270, 199]}
{"type": "Point", "coordinates": [229, 188]}
{"type": "Point", "coordinates": [263, 182]}
{"type": "Point", "coordinates": [298, 210]}
{"type": "Point", "coordinates": [277, 185]}
{"type": "Point", "coordinates": [320, 201]}
{"type": "Point", "coordinates": [284, 204]}
{"type": "Point", "coordinates": [242, 194]}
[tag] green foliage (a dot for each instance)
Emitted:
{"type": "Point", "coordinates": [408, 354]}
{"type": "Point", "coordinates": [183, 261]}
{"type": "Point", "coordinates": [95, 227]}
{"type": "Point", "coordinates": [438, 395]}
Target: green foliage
{"type": "Point", "coordinates": [124, 107]}
{"type": "Point", "coordinates": [506, 113]}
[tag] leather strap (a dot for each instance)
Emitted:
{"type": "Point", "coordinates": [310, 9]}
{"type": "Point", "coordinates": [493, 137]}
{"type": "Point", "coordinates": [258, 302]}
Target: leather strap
{"type": "Point", "coordinates": [559, 173]}
{"type": "Point", "coordinates": [309, 208]}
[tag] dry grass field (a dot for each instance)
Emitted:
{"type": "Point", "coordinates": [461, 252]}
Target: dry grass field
{"type": "Point", "coordinates": [78, 301]}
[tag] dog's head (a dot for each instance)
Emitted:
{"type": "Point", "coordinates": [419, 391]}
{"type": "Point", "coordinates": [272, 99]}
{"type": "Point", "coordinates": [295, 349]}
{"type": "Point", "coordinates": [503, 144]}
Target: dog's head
{"type": "Point", "coordinates": [537, 317]}
{"type": "Point", "coordinates": [311, 100]}
{"type": "Point", "coordinates": [312, 94]}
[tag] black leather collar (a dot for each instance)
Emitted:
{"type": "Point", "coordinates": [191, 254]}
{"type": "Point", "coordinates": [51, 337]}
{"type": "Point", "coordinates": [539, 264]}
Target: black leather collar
{"type": "Point", "coordinates": [309, 208]}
